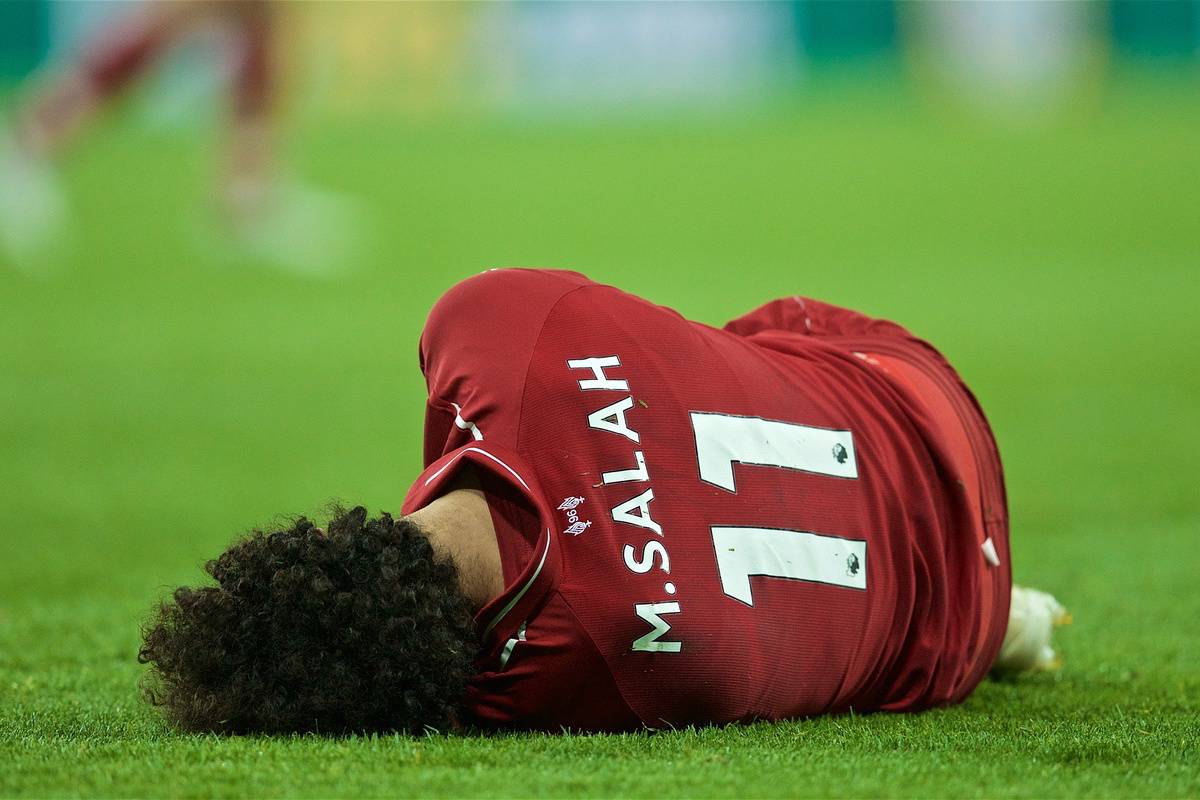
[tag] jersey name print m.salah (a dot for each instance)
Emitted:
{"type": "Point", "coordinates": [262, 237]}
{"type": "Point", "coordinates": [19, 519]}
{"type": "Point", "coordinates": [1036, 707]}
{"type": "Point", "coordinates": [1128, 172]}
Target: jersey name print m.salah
{"type": "Point", "coordinates": [718, 525]}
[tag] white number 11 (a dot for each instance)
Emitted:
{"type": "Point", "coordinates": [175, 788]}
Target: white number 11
{"type": "Point", "coordinates": [723, 440]}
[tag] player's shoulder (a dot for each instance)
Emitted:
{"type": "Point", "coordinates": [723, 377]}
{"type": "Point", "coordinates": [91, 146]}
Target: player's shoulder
{"type": "Point", "coordinates": [492, 318]}
{"type": "Point", "coordinates": [506, 289]}
{"type": "Point", "coordinates": [498, 302]}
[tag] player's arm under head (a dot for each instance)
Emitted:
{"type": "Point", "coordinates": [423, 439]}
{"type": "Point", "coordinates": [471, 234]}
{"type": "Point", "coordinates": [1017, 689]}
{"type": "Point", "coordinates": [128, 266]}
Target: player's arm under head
{"type": "Point", "coordinates": [358, 627]}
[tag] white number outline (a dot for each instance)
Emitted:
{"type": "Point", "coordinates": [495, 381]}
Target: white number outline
{"type": "Point", "coordinates": [847, 440]}
{"type": "Point", "coordinates": [818, 542]}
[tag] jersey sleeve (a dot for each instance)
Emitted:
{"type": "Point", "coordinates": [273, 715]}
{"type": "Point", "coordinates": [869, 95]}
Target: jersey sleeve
{"type": "Point", "coordinates": [549, 676]}
{"type": "Point", "coordinates": [475, 352]}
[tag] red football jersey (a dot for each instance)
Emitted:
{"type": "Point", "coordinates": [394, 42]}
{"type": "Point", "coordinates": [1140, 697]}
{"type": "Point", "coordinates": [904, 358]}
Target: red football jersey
{"type": "Point", "coordinates": [702, 525]}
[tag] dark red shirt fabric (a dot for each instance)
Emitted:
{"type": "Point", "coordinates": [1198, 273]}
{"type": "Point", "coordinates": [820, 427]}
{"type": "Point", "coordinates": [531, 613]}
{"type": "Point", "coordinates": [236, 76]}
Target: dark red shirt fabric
{"type": "Point", "coordinates": [702, 525]}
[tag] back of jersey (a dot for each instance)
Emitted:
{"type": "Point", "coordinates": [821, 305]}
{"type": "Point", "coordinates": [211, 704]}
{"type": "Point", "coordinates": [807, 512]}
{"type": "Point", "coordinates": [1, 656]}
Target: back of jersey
{"type": "Point", "coordinates": [743, 537]}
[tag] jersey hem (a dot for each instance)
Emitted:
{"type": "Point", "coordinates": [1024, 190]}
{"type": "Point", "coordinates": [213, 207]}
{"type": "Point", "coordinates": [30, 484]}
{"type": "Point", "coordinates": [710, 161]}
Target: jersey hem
{"type": "Point", "coordinates": [579, 626]}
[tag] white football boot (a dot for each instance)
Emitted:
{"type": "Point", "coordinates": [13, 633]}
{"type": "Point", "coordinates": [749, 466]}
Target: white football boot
{"type": "Point", "coordinates": [33, 208]}
{"type": "Point", "coordinates": [297, 228]}
{"type": "Point", "coordinates": [1032, 617]}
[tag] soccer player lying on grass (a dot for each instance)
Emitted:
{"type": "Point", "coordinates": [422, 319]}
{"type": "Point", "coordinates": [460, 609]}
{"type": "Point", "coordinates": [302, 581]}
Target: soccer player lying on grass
{"type": "Point", "coordinates": [629, 519]}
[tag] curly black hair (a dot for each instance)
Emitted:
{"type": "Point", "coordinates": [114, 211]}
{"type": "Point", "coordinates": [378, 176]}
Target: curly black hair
{"type": "Point", "coordinates": [358, 629]}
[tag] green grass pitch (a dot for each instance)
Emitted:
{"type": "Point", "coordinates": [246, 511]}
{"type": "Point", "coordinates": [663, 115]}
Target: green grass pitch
{"type": "Point", "coordinates": [157, 397]}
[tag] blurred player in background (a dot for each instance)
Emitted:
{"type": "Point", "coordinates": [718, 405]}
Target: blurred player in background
{"type": "Point", "coordinates": [274, 218]}
{"type": "Point", "coordinates": [630, 519]}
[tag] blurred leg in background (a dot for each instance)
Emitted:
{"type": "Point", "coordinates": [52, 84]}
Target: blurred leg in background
{"type": "Point", "coordinates": [265, 213]}
{"type": "Point", "coordinates": [276, 218]}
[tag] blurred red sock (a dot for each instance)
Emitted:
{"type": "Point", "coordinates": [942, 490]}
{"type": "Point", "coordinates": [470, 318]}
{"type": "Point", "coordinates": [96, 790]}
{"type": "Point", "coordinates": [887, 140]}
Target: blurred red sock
{"type": "Point", "coordinates": [253, 78]}
{"type": "Point", "coordinates": [124, 51]}
{"type": "Point", "coordinates": [118, 56]}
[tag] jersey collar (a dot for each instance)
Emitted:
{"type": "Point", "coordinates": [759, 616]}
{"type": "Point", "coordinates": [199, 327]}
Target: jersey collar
{"type": "Point", "coordinates": [500, 617]}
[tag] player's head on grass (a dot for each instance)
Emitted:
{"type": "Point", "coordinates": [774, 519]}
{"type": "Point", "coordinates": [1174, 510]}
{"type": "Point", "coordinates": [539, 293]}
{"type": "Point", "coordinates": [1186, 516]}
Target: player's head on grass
{"type": "Point", "coordinates": [356, 627]}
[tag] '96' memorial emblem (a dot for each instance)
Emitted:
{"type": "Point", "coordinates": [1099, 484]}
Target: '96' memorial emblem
{"type": "Point", "coordinates": [575, 525]}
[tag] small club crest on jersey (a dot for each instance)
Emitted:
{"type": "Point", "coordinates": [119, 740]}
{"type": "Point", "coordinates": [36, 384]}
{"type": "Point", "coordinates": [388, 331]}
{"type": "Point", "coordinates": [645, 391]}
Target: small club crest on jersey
{"type": "Point", "coordinates": [575, 525]}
